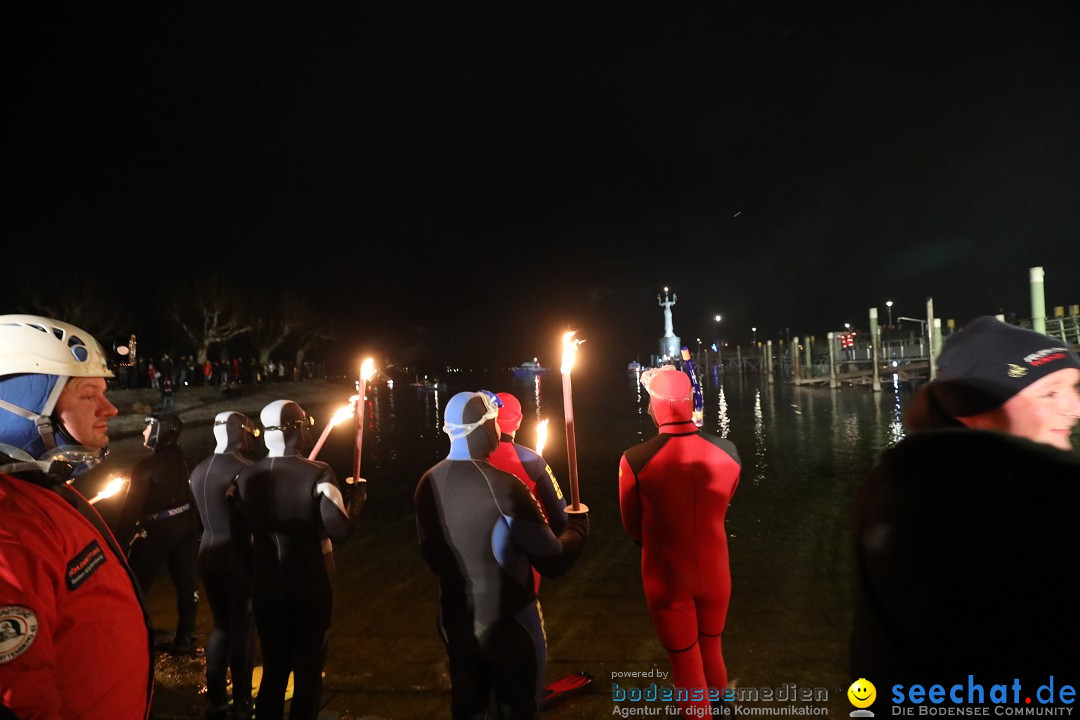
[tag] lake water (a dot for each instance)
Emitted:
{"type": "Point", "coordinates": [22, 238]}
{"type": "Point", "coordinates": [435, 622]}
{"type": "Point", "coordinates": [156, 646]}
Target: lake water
{"type": "Point", "coordinates": [804, 452]}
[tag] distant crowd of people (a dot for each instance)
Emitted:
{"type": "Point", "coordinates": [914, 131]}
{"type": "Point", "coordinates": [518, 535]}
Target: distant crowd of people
{"type": "Point", "coordinates": [184, 371]}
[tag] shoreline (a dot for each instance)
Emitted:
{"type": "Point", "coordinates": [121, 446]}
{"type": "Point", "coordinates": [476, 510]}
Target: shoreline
{"type": "Point", "coordinates": [198, 405]}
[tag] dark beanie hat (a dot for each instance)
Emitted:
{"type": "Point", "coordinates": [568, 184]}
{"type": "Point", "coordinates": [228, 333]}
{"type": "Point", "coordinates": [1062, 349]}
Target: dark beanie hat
{"type": "Point", "coordinates": [989, 361]}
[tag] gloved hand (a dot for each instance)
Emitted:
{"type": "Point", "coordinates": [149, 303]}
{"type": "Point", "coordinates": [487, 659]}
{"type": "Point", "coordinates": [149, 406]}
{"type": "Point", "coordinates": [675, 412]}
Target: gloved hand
{"type": "Point", "coordinates": [578, 518]}
{"type": "Point", "coordinates": [357, 487]}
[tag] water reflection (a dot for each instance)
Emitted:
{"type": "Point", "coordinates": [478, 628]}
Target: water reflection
{"type": "Point", "coordinates": [760, 464]}
{"type": "Point", "coordinates": [536, 395]}
{"type": "Point", "coordinates": [723, 421]}
{"type": "Point", "coordinates": [896, 426]}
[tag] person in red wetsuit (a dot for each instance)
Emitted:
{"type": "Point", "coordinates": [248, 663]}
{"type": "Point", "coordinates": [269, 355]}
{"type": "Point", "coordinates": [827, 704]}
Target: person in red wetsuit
{"type": "Point", "coordinates": [674, 492]}
{"type": "Point", "coordinates": [529, 466]}
{"type": "Point", "coordinates": [75, 638]}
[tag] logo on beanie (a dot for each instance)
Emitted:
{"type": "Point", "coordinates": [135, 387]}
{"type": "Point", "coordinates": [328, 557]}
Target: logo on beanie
{"type": "Point", "coordinates": [1015, 371]}
{"type": "Point", "coordinates": [1045, 356]}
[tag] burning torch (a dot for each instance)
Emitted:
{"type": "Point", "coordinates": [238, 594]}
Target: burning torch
{"type": "Point", "coordinates": [541, 436]}
{"type": "Point", "coordinates": [111, 488]}
{"type": "Point", "coordinates": [367, 370]}
{"type": "Point", "coordinates": [340, 416]}
{"type": "Point", "coordinates": [569, 351]}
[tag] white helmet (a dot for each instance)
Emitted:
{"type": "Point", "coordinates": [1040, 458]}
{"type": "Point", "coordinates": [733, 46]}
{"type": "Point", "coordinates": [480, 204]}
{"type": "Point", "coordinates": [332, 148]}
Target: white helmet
{"type": "Point", "coordinates": [37, 357]}
{"type": "Point", "coordinates": [39, 345]}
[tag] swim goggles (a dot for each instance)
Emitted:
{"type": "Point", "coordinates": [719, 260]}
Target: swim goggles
{"type": "Point", "coordinates": [492, 403]}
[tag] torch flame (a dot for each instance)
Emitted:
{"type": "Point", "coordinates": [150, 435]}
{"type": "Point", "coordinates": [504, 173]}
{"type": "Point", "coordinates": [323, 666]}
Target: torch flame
{"type": "Point", "coordinates": [344, 413]}
{"type": "Point", "coordinates": [111, 488]}
{"type": "Point", "coordinates": [541, 436]}
{"type": "Point", "coordinates": [367, 369]}
{"type": "Point", "coordinates": [569, 351]}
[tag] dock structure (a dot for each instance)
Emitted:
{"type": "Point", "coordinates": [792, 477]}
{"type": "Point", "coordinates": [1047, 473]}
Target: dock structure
{"type": "Point", "coordinates": [851, 358]}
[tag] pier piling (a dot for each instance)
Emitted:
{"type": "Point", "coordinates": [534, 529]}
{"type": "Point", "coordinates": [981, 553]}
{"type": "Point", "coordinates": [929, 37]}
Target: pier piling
{"type": "Point", "coordinates": [1038, 300]}
{"type": "Point", "coordinates": [875, 349]}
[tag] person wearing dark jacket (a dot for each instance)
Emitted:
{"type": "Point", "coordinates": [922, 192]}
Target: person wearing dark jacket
{"type": "Point", "coordinates": [160, 524]}
{"type": "Point", "coordinates": [481, 531]}
{"type": "Point", "coordinates": [966, 532]}
{"type": "Point", "coordinates": [75, 638]}
{"type": "Point", "coordinates": [296, 511]}
{"type": "Point", "coordinates": [225, 566]}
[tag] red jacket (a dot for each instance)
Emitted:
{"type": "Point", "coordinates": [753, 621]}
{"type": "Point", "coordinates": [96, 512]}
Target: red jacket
{"type": "Point", "coordinates": [74, 638]}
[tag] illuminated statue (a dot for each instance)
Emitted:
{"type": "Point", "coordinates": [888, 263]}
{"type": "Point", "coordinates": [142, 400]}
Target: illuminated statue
{"type": "Point", "coordinates": [669, 344]}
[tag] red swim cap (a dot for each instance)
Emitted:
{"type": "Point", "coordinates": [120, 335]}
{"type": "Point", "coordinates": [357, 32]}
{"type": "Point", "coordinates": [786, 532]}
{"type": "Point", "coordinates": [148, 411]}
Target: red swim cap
{"type": "Point", "coordinates": [509, 414]}
{"type": "Point", "coordinates": [670, 393]}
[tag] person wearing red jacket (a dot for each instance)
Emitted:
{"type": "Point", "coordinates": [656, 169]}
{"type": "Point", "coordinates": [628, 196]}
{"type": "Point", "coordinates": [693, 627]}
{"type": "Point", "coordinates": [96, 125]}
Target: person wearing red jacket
{"type": "Point", "coordinates": [674, 492]}
{"type": "Point", "coordinates": [529, 467]}
{"type": "Point", "coordinates": [75, 637]}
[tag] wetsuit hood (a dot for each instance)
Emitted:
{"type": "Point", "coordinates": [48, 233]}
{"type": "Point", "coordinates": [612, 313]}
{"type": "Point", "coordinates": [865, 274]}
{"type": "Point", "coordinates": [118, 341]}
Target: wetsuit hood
{"type": "Point", "coordinates": [164, 431]}
{"type": "Point", "coordinates": [36, 394]}
{"type": "Point", "coordinates": [471, 425]}
{"type": "Point", "coordinates": [670, 395]}
{"type": "Point", "coordinates": [287, 428]}
{"type": "Point", "coordinates": [234, 433]}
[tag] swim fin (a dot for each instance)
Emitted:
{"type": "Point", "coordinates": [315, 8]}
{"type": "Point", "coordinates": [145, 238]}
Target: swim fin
{"type": "Point", "coordinates": [568, 684]}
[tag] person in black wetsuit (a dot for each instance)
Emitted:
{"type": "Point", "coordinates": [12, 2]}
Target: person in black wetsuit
{"type": "Point", "coordinates": [481, 531]}
{"type": "Point", "coordinates": [160, 524]}
{"type": "Point", "coordinates": [296, 512]}
{"type": "Point", "coordinates": [225, 565]}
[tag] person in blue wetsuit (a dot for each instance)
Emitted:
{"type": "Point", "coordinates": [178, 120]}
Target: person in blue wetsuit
{"type": "Point", "coordinates": [225, 566]}
{"type": "Point", "coordinates": [296, 511]}
{"type": "Point", "coordinates": [527, 464]}
{"type": "Point", "coordinates": [480, 531]}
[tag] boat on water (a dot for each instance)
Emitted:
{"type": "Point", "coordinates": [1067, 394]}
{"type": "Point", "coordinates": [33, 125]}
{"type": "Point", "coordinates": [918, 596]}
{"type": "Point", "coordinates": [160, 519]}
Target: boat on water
{"type": "Point", "coordinates": [530, 367]}
{"type": "Point", "coordinates": [427, 383]}
{"type": "Point", "coordinates": [633, 366]}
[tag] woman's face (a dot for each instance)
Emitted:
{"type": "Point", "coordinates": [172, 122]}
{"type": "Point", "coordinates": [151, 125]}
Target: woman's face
{"type": "Point", "coordinates": [1046, 410]}
{"type": "Point", "coordinates": [84, 411]}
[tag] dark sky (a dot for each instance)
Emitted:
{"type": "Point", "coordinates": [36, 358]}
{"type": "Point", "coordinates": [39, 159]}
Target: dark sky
{"type": "Point", "coordinates": [473, 178]}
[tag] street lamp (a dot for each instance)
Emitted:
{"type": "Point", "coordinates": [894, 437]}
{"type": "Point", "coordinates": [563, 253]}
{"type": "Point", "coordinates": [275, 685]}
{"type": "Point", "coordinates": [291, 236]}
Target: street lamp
{"type": "Point", "coordinates": [754, 331]}
{"type": "Point", "coordinates": [888, 304]}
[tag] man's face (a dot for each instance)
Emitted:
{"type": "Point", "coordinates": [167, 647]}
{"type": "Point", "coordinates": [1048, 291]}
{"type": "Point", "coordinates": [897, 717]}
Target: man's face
{"type": "Point", "coordinates": [84, 411]}
{"type": "Point", "coordinates": [1046, 410]}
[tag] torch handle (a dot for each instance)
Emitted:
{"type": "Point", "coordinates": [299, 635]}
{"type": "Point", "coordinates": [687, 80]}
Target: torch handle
{"type": "Point", "coordinates": [361, 390]}
{"type": "Point", "coordinates": [571, 442]}
{"type": "Point", "coordinates": [322, 439]}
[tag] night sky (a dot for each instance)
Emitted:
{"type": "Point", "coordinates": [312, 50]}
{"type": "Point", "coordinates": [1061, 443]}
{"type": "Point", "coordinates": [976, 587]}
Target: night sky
{"type": "Point", "coordinates": [471, 179]}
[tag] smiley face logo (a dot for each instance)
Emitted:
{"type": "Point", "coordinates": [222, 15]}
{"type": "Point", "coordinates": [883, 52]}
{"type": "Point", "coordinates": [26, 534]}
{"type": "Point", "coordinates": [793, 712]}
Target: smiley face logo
{"type": "Point", "coordinates": [862, 693]}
